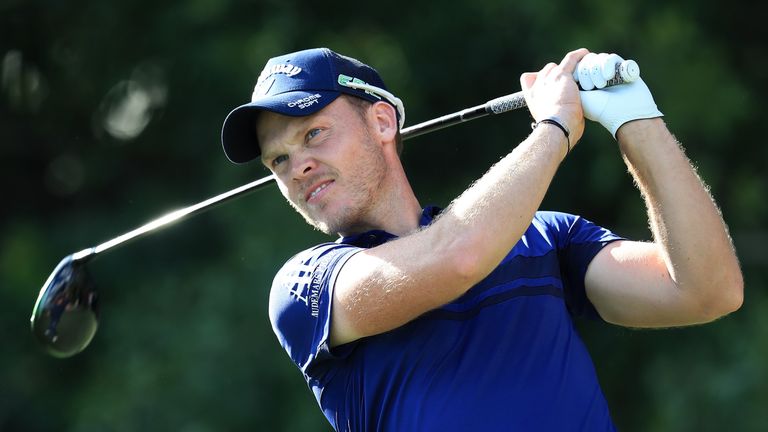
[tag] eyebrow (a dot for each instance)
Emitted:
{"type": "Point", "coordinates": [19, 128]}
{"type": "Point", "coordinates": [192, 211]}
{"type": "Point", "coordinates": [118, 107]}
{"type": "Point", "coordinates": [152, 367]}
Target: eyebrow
{"type": "Point", "coordinates": [266, 156]}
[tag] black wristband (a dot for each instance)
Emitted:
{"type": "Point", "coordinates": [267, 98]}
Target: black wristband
{"type": "Point", "coordinates": [559, 123]}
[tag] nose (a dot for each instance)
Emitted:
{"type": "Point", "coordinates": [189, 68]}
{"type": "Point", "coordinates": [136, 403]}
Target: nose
{"type": "Point", "coordinates": [302, 166]}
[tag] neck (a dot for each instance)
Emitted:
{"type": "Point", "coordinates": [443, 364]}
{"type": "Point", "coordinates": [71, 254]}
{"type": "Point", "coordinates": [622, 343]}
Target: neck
{"type": "Point", "coordinates": [396, 210]}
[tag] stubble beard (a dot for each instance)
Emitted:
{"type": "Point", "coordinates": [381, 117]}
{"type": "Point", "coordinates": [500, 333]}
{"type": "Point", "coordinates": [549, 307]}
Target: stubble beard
{"type": "Point", "coordinates": [360, 186]}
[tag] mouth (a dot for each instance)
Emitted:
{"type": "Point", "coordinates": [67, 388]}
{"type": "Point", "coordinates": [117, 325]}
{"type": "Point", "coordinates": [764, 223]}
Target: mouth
{"type": "Point", "coordinates": [316, 190]}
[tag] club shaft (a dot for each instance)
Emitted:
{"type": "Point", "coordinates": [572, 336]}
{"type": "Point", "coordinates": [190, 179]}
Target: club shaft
{"type": "Point", "coordinates": [499, 105]}
{"type": "Point", "coordinates": [181, 214]}
{"type": "Point", "coordinates": [495, 106]}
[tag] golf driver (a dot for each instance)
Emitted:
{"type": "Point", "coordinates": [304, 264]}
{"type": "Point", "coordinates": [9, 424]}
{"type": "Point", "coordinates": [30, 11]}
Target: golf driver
{"type": "Point", "coordinates": [65, 316]}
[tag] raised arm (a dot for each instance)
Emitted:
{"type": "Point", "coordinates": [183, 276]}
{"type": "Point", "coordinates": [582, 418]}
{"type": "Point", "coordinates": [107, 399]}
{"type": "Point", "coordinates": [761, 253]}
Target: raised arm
{"type": "Point", "coordinates": [387, 286]}
{"type": "Point", "coordinates": [689, 274]}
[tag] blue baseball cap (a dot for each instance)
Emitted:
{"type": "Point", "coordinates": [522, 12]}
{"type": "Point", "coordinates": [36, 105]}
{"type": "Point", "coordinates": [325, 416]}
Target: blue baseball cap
{"type": "Point", "coordinates": [300, 84]}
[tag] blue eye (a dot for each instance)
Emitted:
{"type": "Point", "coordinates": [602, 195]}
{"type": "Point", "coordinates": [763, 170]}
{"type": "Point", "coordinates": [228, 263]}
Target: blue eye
{"type": "Point", "coordinates": [313, 133]}
{"type": "Point", "coordinates": [278, 160]}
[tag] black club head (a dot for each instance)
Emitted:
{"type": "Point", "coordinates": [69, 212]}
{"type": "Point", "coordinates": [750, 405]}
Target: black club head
{"type": "Point", "coordinates": [65, 317]}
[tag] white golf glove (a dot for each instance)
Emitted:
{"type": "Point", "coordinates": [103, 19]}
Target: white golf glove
{"type": "Point", "coordinates": [616, 105]}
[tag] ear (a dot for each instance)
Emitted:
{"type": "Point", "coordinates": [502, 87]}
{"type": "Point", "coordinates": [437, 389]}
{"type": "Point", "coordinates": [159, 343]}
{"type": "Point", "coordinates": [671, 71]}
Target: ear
{"type": "Point", "coordinates": [384, 120]}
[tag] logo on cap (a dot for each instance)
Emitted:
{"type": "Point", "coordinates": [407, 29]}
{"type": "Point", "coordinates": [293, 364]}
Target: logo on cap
{"type": "Point", "coordinates": [305, 102]}
{"type": "Point", "coordinates": [282, 68]}
{"type": "Point", "coordinates": [345, 80]}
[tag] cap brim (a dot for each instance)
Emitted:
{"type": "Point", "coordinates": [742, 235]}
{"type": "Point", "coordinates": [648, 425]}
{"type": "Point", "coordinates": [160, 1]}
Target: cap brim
{"type": "Point", "coordinates": [238, 135]}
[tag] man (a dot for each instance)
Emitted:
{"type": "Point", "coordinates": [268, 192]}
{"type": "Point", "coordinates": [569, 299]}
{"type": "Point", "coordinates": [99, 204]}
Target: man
{"type": "Point", "coordinates": [461, 320]}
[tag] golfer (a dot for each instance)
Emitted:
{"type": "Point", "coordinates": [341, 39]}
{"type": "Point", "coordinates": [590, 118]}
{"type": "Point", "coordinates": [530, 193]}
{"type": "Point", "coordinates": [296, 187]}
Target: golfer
{"type": "Point", "coordinates": [462, 319]}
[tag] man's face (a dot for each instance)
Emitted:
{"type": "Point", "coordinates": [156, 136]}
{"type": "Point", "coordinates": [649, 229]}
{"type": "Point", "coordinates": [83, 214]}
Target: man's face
{"type": "Point", "coordinates": [327, 165]}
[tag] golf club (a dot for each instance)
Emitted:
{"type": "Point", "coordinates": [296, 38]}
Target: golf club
{"type": "Point", "coordinates": [65, 315]}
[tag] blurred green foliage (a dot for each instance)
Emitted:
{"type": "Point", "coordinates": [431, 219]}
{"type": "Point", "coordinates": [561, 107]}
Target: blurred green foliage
{"type": "Point", "coordinates": [110, 115]}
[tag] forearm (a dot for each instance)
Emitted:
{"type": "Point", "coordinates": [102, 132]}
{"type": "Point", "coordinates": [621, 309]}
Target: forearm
{"type": "Point", "coordinates": [402, 279]}
{"type": "Point", "coordinates": [507, 197]}
{"type": "Point", "coordinates": [684, 219]}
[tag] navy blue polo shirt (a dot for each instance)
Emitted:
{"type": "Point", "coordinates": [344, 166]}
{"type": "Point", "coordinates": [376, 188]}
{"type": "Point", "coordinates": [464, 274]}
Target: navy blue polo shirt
{"type": "Point", "coordinates": [505, 356]}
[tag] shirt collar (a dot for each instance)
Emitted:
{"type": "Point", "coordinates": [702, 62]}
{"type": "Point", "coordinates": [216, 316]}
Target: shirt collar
{"type": "Point", "coordinates": [374, 238]}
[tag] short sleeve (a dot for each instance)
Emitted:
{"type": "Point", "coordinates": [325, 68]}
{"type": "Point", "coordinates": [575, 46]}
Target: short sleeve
{"type": "Point", "coordinates": [300, 302]}
{"type": "Point", "coordinates": [578, 242]}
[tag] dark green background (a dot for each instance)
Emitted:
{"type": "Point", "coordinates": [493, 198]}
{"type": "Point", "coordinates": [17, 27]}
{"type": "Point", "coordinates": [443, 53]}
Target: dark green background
{"type": "Point", "coordinates": [110, 114]}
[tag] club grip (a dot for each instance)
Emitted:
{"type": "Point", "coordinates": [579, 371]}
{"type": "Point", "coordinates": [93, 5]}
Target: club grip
{"type": "Point", "coordinates": [505, 103]}
{"type": "Point", "coordinates": [626, 71]}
